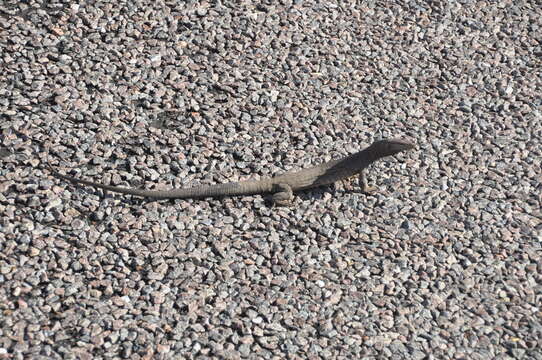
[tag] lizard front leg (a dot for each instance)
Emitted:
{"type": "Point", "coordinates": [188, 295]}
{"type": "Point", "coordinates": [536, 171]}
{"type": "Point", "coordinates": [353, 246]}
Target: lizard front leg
{"type": "Point", "coordinates": [282, 194]}
{"type": "Point", "coordinates": [365, 188]}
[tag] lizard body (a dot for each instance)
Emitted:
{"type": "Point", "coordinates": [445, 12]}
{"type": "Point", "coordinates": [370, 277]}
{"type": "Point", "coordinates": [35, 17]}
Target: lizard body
{"type": "Point", "coordinates": [282, 186]}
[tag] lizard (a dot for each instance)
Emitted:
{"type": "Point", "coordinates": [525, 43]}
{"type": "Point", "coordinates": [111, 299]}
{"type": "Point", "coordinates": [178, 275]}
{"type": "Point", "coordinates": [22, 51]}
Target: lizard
{"type": "Point", "coordinates": [282, 186]}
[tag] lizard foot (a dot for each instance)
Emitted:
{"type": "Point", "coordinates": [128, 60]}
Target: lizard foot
{"type": "Point", "coordinates": [365, 188]}
{"type": "Point", "coordinates": [282, 195]}
{"type": "Point", "coordinates": [369, 190]}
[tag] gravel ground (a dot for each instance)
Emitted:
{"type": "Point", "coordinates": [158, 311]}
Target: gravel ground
{"type": "Point", "coordinates": [444, 262]}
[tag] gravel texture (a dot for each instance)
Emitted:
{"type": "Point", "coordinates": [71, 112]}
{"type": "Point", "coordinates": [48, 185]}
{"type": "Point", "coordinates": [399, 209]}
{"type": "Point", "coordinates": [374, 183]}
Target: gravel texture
{"type": "Point", "coordinates": [444, 262]}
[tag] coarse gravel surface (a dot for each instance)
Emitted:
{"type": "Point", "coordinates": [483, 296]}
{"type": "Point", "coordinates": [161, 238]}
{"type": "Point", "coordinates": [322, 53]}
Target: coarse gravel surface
{"type": "Point", "coordinates": [443, 262]}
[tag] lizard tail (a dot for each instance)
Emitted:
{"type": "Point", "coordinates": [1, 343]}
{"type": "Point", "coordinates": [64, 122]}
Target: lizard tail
{"type": "Point", "coordinates": [218, 190]}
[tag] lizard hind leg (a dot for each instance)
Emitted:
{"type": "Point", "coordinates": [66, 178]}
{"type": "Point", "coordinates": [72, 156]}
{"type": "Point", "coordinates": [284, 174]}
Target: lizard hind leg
{"type": "Point", "coordinates": [282, 194]}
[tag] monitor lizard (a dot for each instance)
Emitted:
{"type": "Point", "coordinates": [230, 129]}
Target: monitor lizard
{"type": "Point", "coordinates": [281, 186]}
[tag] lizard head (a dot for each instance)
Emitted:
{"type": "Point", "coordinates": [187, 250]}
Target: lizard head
{"type": "Point", "coordinates": [390, 147]}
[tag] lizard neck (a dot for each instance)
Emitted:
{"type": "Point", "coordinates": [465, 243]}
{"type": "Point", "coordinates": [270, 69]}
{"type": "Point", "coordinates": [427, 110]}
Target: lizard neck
{"type": "Point", "coordinates": [365, 157]}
